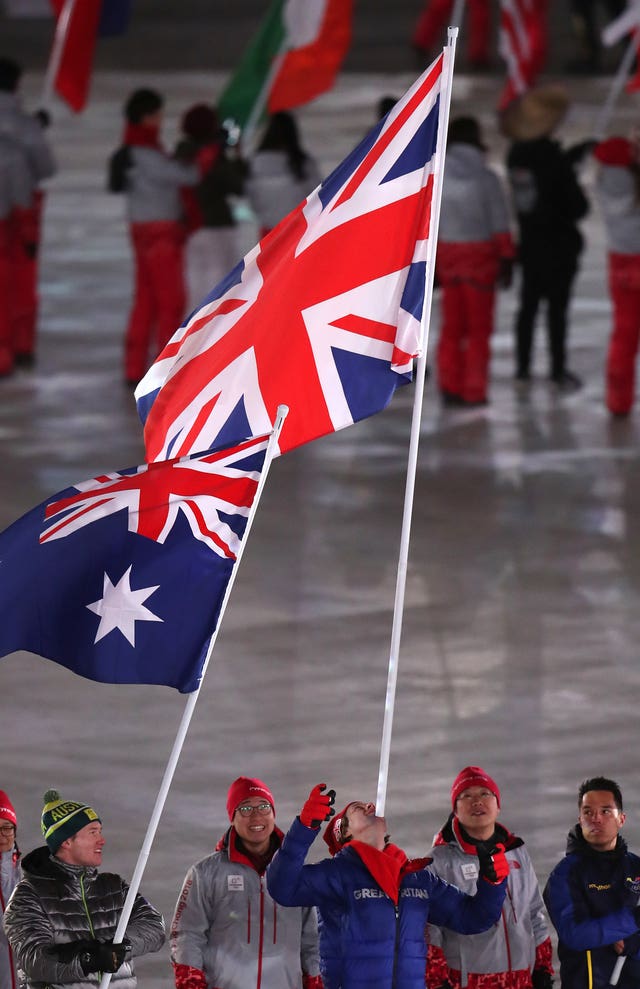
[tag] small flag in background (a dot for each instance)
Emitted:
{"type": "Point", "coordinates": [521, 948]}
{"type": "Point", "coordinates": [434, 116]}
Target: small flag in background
{"type": "Point", "coordinates": [79, 23]}
{"type": "Point", "coordinates": [294, 57]}
{"type": "Point", "coordinates": [121, 578]}
{"type": "Point", "coordinates": [324, 315]}
{"type": "Point", "coordinates": [522, 43]}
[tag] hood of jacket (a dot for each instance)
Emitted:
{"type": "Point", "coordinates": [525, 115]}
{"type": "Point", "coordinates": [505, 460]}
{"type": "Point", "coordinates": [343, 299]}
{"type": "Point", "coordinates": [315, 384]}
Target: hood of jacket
{"type": "Point", "coordinates": [577, 844]}
{"type": "Point", "coordinates": [41, 864]}
{"type": "Point", "coordinates": [452, 834]}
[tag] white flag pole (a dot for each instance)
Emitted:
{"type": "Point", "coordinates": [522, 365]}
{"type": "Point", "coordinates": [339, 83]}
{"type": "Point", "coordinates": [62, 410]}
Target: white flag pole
{"type": "Point", "coordinates": [617, 85]}
{"type": "Point", "coordinates": [457, 13]}
{"type": "Point", "coordinates": [401, 579]}
{"type": "Point", "coordinates": [249, 129]}
{"type": "Point", "coordinates": [169, 772]}
{"type": "Point", "coordinates": [59, 38]}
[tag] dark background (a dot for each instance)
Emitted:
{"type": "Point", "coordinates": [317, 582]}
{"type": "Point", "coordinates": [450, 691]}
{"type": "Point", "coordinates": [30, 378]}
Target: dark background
{"type": "Point", "coordinates": [211, 34]}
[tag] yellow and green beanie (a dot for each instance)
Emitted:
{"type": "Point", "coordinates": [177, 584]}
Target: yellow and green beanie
{"type": "Point", "coordinates": [61, 819]}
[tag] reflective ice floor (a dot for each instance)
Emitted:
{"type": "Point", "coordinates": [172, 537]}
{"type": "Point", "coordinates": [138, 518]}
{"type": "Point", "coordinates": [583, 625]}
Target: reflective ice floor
{"type": "Point", "coordinates": [521, 627]}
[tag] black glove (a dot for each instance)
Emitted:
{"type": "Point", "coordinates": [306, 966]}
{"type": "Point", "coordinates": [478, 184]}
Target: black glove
{"type": "Point", "coordinates": [43, 117]}
{"type": "Point", "coordinates": [318, 807]}
{"type": "Point", "coordinates": [541, 979]}
{"type": "Point", "coordinates": [493, 863]}
{"type": "Point", "coordinates": [102, 956]}
{"type": "Point", "coordinates": [65, 953]}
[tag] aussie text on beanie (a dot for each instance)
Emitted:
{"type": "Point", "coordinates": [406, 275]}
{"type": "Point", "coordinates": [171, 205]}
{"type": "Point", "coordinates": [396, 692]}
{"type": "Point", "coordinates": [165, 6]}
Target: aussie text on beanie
{"type": "Point", "coordinates": [61, 819]}
{"type": "Point", "coordinates": [243, 788]}
{"type": "Point", "coordinates": [473, 776]}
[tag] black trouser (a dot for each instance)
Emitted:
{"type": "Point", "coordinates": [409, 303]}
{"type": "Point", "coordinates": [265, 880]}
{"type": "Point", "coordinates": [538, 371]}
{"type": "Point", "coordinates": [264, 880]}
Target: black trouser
{"type": "Point", "coordinates": [545, 276]}
{"type": "Point", "coordinates": [586, 15]}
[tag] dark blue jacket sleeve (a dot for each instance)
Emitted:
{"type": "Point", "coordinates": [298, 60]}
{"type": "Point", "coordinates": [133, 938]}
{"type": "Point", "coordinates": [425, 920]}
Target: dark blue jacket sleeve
{"type": "Point", "coordinates": [450, 907]}
{"type": "Point", "coordinates": [292, 883]}
{"type": "Point", "coordinates": [592, 932]}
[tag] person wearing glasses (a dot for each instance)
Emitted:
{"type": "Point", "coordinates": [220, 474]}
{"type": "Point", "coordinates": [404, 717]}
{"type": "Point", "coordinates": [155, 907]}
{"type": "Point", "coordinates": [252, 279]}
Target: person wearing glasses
{"type": "Point", "coordinates": [593, 894]}
{"type": "Point", "coordinates": [373, 902]}
{"type": "Point", "coordinates": [10, 875]}
{"type": "Point", "coordinates": [227, 932]}
{"type": "Point", "coordinates": [517, 952]}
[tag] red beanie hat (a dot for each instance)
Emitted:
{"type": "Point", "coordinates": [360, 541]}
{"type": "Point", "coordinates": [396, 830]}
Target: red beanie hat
{"type": "Point", "coordinates": [472, 776]}
{"type": "Point", "coordinates": [6, 809]}
{"type": "Point", "coordinates": [244, 787]}
{"type": "Point", "coordinates": [331, 834]}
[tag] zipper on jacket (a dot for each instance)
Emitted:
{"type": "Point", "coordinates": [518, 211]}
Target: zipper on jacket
{"type": "Point", "coordinates": [395, 946]}
{"type": "Point", "coordinates": [86, 910]}
{"type": "Point", "coordinates": [261, 936]}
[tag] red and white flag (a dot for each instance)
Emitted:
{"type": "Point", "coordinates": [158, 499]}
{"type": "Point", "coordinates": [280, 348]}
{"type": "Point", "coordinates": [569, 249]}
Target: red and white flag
{"type": "Point", "coordinates": [523, 45]}
{"type": "Point", "coordinates": [294, 57]}
{"type": "Point", "coordinates": [323, 315]}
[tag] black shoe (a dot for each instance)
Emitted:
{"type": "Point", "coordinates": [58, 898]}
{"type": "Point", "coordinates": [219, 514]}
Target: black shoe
{"type": "Point", "coordinates": [24, 360]}
{"type": "Point", "coordinates": [567, 381]}
{"type": "Point", "coordinates": [450, 398]}
{"type": "Point", "coordinates": [521, 376]}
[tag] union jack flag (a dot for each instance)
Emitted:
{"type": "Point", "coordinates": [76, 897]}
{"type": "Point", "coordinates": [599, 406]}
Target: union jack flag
{"type": "Point", "coordinates": [121, 578]}
{"type": "Point", "coordinates": [522, 43]}
{"type": "Point", "coordinates": [323, 315]}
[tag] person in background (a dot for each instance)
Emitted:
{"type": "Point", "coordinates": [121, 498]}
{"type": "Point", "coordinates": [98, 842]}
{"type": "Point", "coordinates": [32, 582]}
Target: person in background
{"type": "Point", "coordinates": [15, 198]}
{"type": "Point", "coordinates": [515, 953]}
{"type": "Point", "coordinates": [212, 244]}
{"type": "Point", "coordinates": [474, 255]}
{"type": "Point", "coordinates": [281, 173]}
{"type": "Point", "coordinates": [373, 902]}
{"type": "Point", "coordinates": [63, 914]}
{"type": "Point", "coordinates": [429, 34]}
{"type": "Point", "coordinates": [227, 932]}
{"type": "Point", "coordinates": [28, 133]}
{"type": "Point", "coordinates": [10, 875]}
{"type": "Point", "coordinates": [152, 182]}
{"type": "Point", "coordinates": [618, 192]}
{"type": "Point", "coordinates": [549, 203]}
{"type": "Point", "coordinates": [592, 894]}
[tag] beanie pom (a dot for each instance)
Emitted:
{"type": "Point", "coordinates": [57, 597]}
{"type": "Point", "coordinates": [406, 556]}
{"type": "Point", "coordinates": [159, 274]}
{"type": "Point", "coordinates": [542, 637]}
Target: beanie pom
{"type": "Point", "coordinates": [50, 796]}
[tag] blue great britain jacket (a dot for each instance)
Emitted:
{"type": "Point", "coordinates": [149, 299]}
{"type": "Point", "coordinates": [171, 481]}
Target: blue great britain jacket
{"type": "Point", "coordinates": [366, 941]}
{"type": "Point", "coordinates": [590, 897]}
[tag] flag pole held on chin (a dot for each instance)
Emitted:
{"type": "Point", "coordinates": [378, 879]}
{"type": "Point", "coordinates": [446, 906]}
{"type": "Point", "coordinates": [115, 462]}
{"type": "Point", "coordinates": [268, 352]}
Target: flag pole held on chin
{"type": "Point", "coordinates": [401, 579]}
{"type": "Point", "coordinates": [281, 414]}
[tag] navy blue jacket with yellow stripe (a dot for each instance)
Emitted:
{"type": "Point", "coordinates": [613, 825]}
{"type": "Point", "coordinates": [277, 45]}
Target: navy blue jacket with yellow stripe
{"type": "Point", "coordinates": [590, 897]}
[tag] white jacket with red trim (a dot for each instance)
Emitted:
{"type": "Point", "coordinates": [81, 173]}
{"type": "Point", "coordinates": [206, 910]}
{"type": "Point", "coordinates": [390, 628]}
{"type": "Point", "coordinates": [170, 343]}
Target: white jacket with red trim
{"type": "Point", "coordinates": [510, 946]}
{"type": "Point", "coordinates": [10, 876]}
{"type": "Point", "coordinates": [226, 925]}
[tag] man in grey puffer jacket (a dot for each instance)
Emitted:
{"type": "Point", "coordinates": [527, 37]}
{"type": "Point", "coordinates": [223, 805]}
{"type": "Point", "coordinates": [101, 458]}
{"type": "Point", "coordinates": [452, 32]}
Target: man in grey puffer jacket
{"type": "Point", "coordinates": [62, 916]}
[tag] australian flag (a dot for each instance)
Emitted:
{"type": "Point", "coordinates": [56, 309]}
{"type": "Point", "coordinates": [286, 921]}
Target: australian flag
{"type": "Point", "coordinates": [323, 315]}
{"type": "Point", "coordinates": [121, 578]}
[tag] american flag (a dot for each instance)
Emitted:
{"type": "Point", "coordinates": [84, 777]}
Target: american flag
{"type": "Point", "coordinates": [523, 45]}
{"type": "Point", "coordinates": [121, 578]}
{"type": "Point", "coordinates": [323, 315]}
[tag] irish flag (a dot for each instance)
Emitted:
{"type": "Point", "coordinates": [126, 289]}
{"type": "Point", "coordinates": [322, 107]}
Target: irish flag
{"type": "Point", "coordinates": [294, 57]}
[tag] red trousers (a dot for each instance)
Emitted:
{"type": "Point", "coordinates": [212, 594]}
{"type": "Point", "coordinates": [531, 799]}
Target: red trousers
{"type": "Point", "coordinates": [624, 286]}
{"type": "Point", "coordinates": [463, 347]}
{"type": "Point", "coordinates": [26, 243]}
{"type": "Point", "coordinates": [159, 293]}
{"type": "Point", "coordinates": [468, 273]}
{"type": "Point", "coordinates": [430, 29]}
{"type": "Point", "coordinates": [6, 298]}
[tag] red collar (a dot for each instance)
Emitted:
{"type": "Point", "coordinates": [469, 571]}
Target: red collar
{"type": "Point", "coordinates": [142, 136]}
{"type": "Point", "coordinates": [385, 866]}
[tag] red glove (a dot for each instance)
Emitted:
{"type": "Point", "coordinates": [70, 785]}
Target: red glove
{"type": "Point", "coordinates": [494, 866]}
{"type": "Point", "coordinates": [318, 808]}
{"type": "Point", "coordinates": [312, 982]}
{"type": "Point", "coordinates": [188, 977]}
